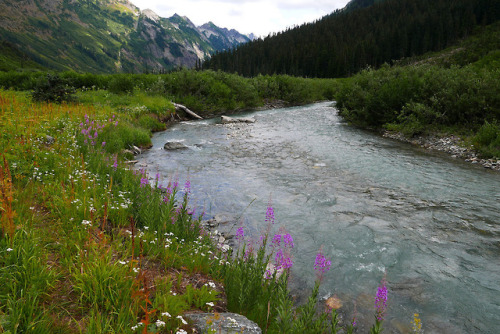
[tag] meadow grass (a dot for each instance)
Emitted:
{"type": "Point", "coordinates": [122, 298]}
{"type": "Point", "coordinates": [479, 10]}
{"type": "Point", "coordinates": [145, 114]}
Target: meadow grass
{"type": "Point", "coordinates": [89, 245]}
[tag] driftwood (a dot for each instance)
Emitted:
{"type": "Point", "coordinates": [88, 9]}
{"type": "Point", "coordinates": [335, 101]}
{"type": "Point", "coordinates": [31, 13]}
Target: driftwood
{"type": "Point", "coordinates": [186, 110]}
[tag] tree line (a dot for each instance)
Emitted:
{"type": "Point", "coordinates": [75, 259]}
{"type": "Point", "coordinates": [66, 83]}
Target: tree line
{"type": "Point", "coordinates": [347, 41]}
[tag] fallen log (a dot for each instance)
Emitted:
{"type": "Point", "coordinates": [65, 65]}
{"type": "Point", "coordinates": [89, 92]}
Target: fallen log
{"type": "Point", "coordinates": [186, 110]}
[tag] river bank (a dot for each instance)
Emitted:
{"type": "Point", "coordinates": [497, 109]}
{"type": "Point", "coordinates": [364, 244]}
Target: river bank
{"type": "Point", "coordinates": [453, 145]}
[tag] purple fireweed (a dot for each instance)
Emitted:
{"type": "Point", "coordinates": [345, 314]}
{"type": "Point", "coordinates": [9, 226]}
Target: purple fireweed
{"type": "Point", "coordinates": [381, 300]}
{"type": "Point", "coordinates": [276, 240]}
{"type": "Point", "coordinates": [144, 182]}
{"type": "Point", "coordinates": [321, 264]}
{"type": "Point", "coordinates": [115, 163]}
{"type": "Point", "coordinates": [270, 214]}
{"type": "Point", "coordinates": [187, 187]}
{"type": "Point", "coordinates": [268, 274]}
{"type": "Point", "coordinates": [240, 234]}
{"type": "Point", "coordinates": [282, 260]}
{"type": "Point", "coordinates": [288, 240]}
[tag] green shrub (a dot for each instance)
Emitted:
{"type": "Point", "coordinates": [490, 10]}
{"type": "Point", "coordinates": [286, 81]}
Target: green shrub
{"type": "Point", "coordinates": [53, 88]}
{"type": "Point", "coordinates": [121, 84]}
{"type": "Point", "coordinates": [487, 140]}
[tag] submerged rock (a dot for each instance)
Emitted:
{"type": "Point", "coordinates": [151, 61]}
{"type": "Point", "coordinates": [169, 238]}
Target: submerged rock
{"type": "Point", "coordinates": [223, 323]}
{"type": "Point", "coordinates": [230, 120]}
{"type": "Point", "coordinates": [174, 145]}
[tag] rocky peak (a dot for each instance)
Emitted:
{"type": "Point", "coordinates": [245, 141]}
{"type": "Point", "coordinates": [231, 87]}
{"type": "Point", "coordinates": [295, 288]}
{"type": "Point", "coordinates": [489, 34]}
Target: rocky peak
{"type": "Point", "coordinates": [148, 13]}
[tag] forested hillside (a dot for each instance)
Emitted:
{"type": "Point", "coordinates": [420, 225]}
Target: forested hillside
{"type": "Point", "coordinates": [102, 36]}
{"type": "Point", "coordinates": [349, 40]}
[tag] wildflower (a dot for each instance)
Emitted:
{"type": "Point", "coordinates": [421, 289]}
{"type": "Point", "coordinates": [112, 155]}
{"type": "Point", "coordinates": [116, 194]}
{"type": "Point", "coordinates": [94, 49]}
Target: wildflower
{"type": "Point", "coordinates": [182, 319]}
{"type": "Point", "coordinates": [240, 235]}
{"type": "Point", "coordinates": [277, 240]}
{"type": "Point", "coordinates": [166, 314]}
{"type": "Point", "coordinates": [288, 240]}
{"type": "Point", "coordinates": [417, 324]}
{"type": "Point", "coordinates": [103, 143]}
{"type": "Point", "coordinates": [115, 163]}
{"type": "Point", "coordinates": [381, 300]}
{"type": "Point", "coordinates": [134, 328]}
{"type": "Point", "coordinates": [210, 304]}
{"type": "Point", "coordinates": [9, 249]}
{"type": "Point", "coordinates": [268, 274]}
{"type": "Point", "coordinates": [270, 214]}
{"type": "Point", "coordinates": [211, 284]}
{"type": "Point", "coordinates": [160, 323]}
{"type": "Point", "coordinates": [282, 261]}
{"type": "Point", "coordinates": [86, 222]}
{"type": "Point", "coordinates": [181, 331]}
{"type": "Point", "coordinates": [321, 264]}
{"type": "Point", "coordinates": [187, 187]}
{"type": "Point", "coordinates": [144, 182]}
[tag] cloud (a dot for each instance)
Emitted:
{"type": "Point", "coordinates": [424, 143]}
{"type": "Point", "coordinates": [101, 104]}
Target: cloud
{"type": "Point", "coordinates": [258, 16]}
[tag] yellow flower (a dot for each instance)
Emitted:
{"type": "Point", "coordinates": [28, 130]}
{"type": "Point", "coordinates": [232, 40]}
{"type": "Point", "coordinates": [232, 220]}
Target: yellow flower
{"type": "Point", "coordinates": [417, 324]}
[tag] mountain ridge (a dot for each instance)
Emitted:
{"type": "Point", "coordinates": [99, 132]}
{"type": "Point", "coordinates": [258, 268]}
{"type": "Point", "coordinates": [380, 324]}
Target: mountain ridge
{"type": "Point", "coordinates": [104, 36]}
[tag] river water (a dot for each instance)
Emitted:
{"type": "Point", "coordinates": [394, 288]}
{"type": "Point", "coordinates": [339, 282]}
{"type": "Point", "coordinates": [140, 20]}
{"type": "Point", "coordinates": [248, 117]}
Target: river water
{"type": "Point", "coordinates": [375, 206]}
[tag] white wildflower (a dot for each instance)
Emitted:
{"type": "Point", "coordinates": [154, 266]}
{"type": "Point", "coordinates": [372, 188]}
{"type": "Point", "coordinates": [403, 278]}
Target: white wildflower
{"type": "Point", "coordinates": [166, 314]}
{"type": "Point", "coordinates": [9, 249]}
{"type": "Point", "coordinates": [210, 304]}
{"type": "Point", "coordinates": [160, 323]}
{"type": "Point", "coordinates": [182, 319]}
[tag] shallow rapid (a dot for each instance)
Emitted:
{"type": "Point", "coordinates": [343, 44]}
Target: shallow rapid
{"type": "Point", "coordinates": [375, 206]}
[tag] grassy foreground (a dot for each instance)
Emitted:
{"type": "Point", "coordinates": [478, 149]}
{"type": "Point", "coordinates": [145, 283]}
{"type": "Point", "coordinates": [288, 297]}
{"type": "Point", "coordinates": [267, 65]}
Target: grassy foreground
{"type": "Point", "coordinates": [89, 245]}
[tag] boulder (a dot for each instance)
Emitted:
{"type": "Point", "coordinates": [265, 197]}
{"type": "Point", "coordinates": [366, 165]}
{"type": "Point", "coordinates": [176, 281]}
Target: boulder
{"type": "Point", "coordinates": [230, 120]}
{"type": "Point", "coordinates": [174, 145]}
{"type": "Point", "coordinates": [223, 323]}
{"type": "Point", "coordinates": [49, 140]}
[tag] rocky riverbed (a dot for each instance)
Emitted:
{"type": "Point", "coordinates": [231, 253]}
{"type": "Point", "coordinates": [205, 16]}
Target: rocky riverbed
{"type": "Point", "coordinates": [452, 145]}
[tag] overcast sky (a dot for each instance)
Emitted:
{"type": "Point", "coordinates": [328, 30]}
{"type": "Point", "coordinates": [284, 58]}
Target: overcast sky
{"type": "Point", "coordinates": [260, 17]}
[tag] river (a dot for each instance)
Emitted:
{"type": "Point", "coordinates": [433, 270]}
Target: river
{"type": "Point", "coordinates": [375, 206]}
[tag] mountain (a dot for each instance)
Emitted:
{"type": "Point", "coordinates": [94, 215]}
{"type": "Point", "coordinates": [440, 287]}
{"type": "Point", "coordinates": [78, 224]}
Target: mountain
{"type": "Point", "coordinates": [103, 36]}
{"type": "Point", "coordinates": [222, 38]}
{"type": "Point", "coordinates": [365, 33]}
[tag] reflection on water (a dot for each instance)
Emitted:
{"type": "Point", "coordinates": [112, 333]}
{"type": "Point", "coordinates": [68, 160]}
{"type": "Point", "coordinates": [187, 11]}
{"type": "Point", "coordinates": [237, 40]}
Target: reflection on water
{"type": "Point", "coordinates": [374, 205]}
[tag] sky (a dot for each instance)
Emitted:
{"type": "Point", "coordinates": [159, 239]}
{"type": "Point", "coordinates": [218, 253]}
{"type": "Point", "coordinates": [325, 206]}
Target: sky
{"type": "Point", "coordinates": [260, 17]}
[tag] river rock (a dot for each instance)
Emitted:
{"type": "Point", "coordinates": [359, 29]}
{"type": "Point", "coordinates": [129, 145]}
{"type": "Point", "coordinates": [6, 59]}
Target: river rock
{"type": "Point", "coordinates": [49, 140]}
{"type": "Point", "coordinates": [174, 145]}
{"type": "Point", "coordinates": [223, 323]}
{"type": "Point", "coordinates": [230, 120]}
